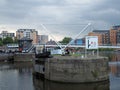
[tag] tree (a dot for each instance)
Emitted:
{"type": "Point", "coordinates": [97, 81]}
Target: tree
{"type": "Point", "coordinates": [15, 40]}
{"type": "Point", "coordinates": [7, 40]}
{"type": "Point", "coordinates": [66, 40]}
{"type": "Point", "coordinates": [1, 42]}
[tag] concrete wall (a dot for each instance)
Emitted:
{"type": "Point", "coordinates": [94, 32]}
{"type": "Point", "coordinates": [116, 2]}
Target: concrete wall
{"type": "Point", "coordinates": [41, 84]}
{"type": "Point", "coordinates": [24, 57]}
{"type": "Point", "coordinates": [76, 70]}
{"type": "Point", "coordinates": [6, 57]}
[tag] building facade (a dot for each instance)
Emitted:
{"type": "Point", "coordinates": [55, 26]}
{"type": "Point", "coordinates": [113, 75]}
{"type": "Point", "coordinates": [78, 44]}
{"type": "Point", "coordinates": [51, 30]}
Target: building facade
{"type": "Point", "coordinates": [113, 39]}
{"type": "Point", "coordinates": [42, 39]}
{"type": "Point", "coordinates": [116, 27]}
{"type": "Point", "coordinates": [5, 34]}
{"type": "Point", "coordinates": [51, 42]}
{"type": "Point", "coordinates": [78, 42]}
{"type": "Point", "coordinates": [99, 37]}
{"type": "Point", "coordinates": [115, 35]}
{"type": "Point", "coordinates": [28, 33]}
{"type": "Point", "coordinates": [118, 37]}
{"type": "Point", "coordinates": [105, 36]}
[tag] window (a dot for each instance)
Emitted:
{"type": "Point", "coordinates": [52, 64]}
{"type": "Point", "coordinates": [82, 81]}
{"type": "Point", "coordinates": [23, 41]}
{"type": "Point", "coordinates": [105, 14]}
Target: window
{"type": "Point", "coordinates": [28, 34]}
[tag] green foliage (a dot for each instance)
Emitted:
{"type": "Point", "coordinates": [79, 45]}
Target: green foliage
{"type": "Point", "coordinates": [16, 40]}
{"type": "Point", "coordinates": [66, 40]}
{"type": "Point", "coordinates": [7, 40]}
{"type": "Point", "coordinates": [1, 39]}
{"type": "Point", "coordinates": [106, 49]}
{"type": "Point", "coordinates": [1, 43]}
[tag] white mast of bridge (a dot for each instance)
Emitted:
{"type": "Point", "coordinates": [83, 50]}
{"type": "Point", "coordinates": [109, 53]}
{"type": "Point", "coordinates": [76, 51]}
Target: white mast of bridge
{"type": "Point", "coordinates": [78, 35]}
{"type": "Point", "coordinates": [58, 44]}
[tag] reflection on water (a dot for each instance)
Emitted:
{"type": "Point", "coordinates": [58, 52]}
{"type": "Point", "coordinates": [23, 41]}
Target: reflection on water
{"type": "Point", "coordinates": [16, 76]}
{"type": "Point", "coordinates": [42, 84]}
{"type": "Point", "coordinates": [113, 56]}
{"type": "Point", "coordinates": [115, 68]}
{"type": "Point", "coordinates": [114, 75]}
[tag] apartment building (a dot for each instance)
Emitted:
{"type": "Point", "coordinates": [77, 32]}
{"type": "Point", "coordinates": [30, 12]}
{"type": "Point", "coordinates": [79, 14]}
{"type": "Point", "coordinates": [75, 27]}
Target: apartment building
{"type": "Point", "coordinates": [5, 34]}
{"type": "Point", "coordinates": [116, 27]}
{"type": "Point", "coordinates": [118, 37]}
{"type": "Point", "coordinates": [96, 34]}
{"type": "Point", "coordinates": [113, 39]}
{"type": "Point", "coordinates": [42, 39]}
{"type": "Point", "coordinates": [28, 33]}
{"type": "Point", "coordinates": [105, 36]}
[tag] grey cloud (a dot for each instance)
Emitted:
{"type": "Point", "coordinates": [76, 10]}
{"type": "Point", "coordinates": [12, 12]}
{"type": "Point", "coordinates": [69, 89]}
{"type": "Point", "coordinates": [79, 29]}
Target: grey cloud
{"type": "Point", "coordinates": [114, 4]}
{"type": "Point", "coordinates": [108, 11]}
{"type": "Point", "coordinates": [32, 3]}
{"type": "Point", "coordinates": [13, 11]}
{"type": "Point", "coordinates": [22, 9]}
{"type": "Point", "coordinates": [60, 12]}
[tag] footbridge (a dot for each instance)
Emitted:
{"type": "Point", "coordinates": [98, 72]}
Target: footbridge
{"type": "Point", "coordinates": [82, 46]}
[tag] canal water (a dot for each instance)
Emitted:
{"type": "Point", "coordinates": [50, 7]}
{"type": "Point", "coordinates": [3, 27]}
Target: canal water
{"type": "Point", "coordinates": [18, 76]}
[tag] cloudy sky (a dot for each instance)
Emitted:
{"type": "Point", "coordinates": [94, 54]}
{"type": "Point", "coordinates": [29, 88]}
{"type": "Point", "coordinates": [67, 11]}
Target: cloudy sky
{"type": "Point", "coordinates": [60, 17]}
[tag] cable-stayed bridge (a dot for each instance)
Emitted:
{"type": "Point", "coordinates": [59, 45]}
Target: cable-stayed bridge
{"type": "Point", "coordinates": [82, 46]}
{"type": "Point", "coordinates": [62, 47]}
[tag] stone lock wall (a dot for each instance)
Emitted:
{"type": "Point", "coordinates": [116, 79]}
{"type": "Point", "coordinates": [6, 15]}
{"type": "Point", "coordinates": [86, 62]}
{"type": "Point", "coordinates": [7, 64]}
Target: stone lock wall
{"type": "Point", "coordinates": [23, 57]}
{"type": "Point", "coordinates": [76, 70]}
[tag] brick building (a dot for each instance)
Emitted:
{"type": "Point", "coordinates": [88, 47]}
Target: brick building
{"type": "Point", "coordinates": [96, 34]}
{"type": "Point", "coordinates": [5, 34]}
{"type": "Point", "coordinates": [105, 36]}
{"type": "Point", "coordinates": [113, 39]}
{"type": "Point", "coordinates": [28, 33]}
{"type": "Point", "coordinates": [115, 35]}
